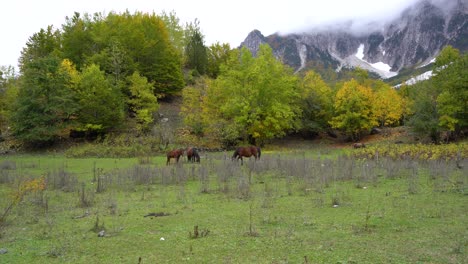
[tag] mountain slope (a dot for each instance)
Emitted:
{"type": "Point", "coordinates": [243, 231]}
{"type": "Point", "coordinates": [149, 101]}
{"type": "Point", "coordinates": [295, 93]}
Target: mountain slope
{"type": "Point", "coordinates": [410, 41]}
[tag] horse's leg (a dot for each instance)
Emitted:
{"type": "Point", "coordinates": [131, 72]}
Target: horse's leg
{"type": "Point", "coordinates": [242, 160]}
{"type": "Point", "coordinates": [168, 161]}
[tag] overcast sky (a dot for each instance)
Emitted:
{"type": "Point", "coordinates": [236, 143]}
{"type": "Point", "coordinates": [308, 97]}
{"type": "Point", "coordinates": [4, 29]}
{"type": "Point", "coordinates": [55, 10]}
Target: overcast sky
{"type": "Point", "coordinates": [223, 21]}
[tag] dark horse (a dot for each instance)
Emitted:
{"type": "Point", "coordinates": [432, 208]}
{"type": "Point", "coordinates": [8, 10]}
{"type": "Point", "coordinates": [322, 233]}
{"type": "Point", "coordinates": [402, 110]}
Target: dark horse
{"type": "Point", "coordinates": [176, 153]}
{"type": "Point", "coordinates": [247, 152]}
{"type": "Point", "coordinates": [359, 145]}
{"type": "Point", "coordinates": [192, 155]}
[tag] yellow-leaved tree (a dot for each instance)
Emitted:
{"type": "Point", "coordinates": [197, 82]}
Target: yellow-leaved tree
{"type": "Point", "coordinates": [388, 106]}
{"type": "Point", "coordinates": [354, 109]}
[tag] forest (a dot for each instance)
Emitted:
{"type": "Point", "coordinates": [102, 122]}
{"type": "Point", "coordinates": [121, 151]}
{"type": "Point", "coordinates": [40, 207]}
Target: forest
{"type": "Point", "coordinates": [101, 75]}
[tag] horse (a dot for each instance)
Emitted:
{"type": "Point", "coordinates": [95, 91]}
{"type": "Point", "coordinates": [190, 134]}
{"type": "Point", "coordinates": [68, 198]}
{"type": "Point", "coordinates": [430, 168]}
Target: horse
{"type": "Point", "coordinates": [359, 145]}
{"type": "Point", "coordinates": [246, 152]}
{"type": "Point", "coordinates": [176, 153]}
{"type": "Point", "coordinates": [192, 155]}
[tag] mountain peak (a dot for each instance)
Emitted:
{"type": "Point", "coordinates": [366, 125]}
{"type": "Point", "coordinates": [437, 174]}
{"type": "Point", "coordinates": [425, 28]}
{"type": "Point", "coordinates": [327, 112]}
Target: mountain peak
{"type": "Point", "coordinates": [411, 40]}
{"type": "Point", "coordinates": [253, 41]}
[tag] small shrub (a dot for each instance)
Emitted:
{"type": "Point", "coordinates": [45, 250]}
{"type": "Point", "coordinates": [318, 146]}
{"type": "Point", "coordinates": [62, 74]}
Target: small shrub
{"type": "Point", "coordinates": [8, 165]}
{"type": "Point", "coordinates": [197, 233]}
{"type": "Point", "coordinates": [86, 199]}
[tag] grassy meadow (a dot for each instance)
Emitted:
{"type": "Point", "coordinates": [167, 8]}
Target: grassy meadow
{"type": "Point", "coordinates": [309, 206]}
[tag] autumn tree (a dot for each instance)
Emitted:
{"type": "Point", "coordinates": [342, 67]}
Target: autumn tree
{"type": "Point", "coordinates": [388, 106]}
{"type": "Point", "coordinates": [354, 109]}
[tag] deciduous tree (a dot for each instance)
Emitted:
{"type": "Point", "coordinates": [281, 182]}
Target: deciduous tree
{"type": "Point", "coordinates": [452, 80]}
{"type": "Point", "coordinates": [256, 98]}
{"type": "Point", "coordinates": [101, 104]}
{"type": "Point", "coordinates": [316, 103]}
{"type": "Point", "coordinates": [142, 101]}
{"type": "Point", "coordinates": [45, 104]}
{"type": "Point", "coordinates": [353, 109]}
{"type": "Point", "coordinates": [388, 106]}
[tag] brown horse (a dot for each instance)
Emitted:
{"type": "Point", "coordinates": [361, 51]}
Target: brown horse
{"type": "Point", "coordinates": [192, 155]}
{"type": "Point", "coordinates": [246, 152]}
{"type": "Point", "coordinates": [359, 145]}
{"type": "Point", "coordinates": [176, 153]}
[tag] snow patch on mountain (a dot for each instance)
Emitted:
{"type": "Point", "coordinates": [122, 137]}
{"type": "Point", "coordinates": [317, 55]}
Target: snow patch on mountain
{"type": "Point", "coordinates": [427, 63]}
{"type": "Point", "coordinates": [302, 55]}
{"type": "Point", "coordinates": [360, 52]}
{"type": "Point", "coordinates": [425, 76]}
{"type": "Point", "coordinates": [383, 69]}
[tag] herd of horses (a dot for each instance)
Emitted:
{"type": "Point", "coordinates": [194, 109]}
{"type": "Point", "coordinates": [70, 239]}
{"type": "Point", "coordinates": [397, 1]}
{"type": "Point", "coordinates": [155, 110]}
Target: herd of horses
{"type": "Point", "coordinates": [193, 154]}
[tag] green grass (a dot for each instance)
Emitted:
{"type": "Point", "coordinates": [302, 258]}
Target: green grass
{"type": "Point", "coordinates": [277, 219]}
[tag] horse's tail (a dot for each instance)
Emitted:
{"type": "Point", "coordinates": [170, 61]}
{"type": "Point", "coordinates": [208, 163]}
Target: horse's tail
{"type": "Point", "coordinates": [259, 152]}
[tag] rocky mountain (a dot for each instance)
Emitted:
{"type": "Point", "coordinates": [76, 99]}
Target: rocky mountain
{"type": "Point", "coordinates": [412, 40]}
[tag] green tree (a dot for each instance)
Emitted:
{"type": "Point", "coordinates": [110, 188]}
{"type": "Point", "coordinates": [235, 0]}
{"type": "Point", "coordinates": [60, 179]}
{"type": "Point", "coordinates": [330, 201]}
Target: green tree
{"type": "Point", "coordinates": [316, 103]}
{"type": "Point", "coordinates": [8, 94]}
{"type": "Point", "coordinates": [218, 54]}
{"type": "Point", "coordinates": [452, 80]}
{"type": "Point", "coordinates": [45, 103]}
{"type": "Point", "coordinates": [101, 104]}
{"type": "Point", "coordinates": [77, 40]}
{"type": "Point", "coordinates": [42, 44]}
{"type": "Point", "coordinates": [142, 101]}
{"type": "Point", "coordinates": [196, 51]}
{"type": "Point", "coordinates": [255, 98]}
{"type": "Point", "coordinates": [125, 43]}
{"type": "Point", "coordinates": [353, 109]}
{"type": "Point", "coordinates": [175, 30]}
{"type": "Point", "coordinates": [425, 120]}
{"type": "Point", "coordinates": [446, 56]}
{"type": "Point", "coordinates": [192, 106]}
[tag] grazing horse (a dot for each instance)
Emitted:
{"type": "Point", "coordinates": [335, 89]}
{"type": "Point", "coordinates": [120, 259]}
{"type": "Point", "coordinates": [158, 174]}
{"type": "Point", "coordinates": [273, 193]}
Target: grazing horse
{"type": "Point", "coordinates": [176, 153]}
{"type": "Point", "coordinates": [192, 155]}
{"type": "Point", "coordinates": [246, 152]}
{"type": "Point", "coordinates": [359, 145]}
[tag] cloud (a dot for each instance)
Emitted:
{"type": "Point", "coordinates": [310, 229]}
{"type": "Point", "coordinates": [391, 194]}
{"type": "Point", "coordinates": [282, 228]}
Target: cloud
{"type": "Point", "coordinates": [223, 21]}
{"type": "Point", "coordinates": [357, 16]}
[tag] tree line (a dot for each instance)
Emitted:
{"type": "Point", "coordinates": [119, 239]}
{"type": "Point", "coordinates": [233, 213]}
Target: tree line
{"type": "Point", "coordinates": [98, 74]}
{"type": "Point", "coordinates": [256, 99]}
